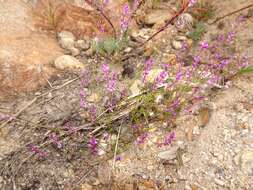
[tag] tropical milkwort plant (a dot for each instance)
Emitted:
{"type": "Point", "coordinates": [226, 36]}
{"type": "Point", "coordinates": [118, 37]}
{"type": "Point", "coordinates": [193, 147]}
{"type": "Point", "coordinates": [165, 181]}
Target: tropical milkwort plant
{"type": "Point", "coordinates": [177, 89]}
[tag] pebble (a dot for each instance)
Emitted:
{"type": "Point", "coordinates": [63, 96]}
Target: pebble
{"type": "Point", "coordinates": [66, 40]}
{"type": "Point", "coordinates": [68, 62]}
{"type": "Point", "coordinates": [219, 182]}
{"type": "Point", "coordinates": [82, 44]}
{"type": "Point", "coordinates": [184, 22]}
{"type": "Point", "coordinates": [136, 87]}
{"type": "Point", "coordinates": [178, 41]}
{"type": "Point", "coordinates": [169, 154]}
{"type": "Point", "coordinates": [86, 186]}
{"type": "Point", "coordinates": [94, 98]}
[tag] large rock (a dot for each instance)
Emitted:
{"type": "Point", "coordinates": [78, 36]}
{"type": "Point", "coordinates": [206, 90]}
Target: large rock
{"type": "Point", "coordinates": [25, 53]}
{"type": "Point", "coordinates": [68, 62]}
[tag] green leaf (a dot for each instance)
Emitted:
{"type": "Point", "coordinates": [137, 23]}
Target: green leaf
{"type": "Point", "coordinates": [246, 70]}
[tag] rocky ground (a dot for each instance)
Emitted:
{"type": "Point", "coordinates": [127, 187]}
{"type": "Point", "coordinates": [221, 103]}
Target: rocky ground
{"type": "Point", "coordinates": [39, 85]}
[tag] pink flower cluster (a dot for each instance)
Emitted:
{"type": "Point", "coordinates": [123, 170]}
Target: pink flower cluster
{"type": "Point", "coordinates": [55, 140]}
{"type": "Point", "coordinates": [110, 77]}
{"type": "Point", "coordinates": [93, 145]}
{"type": "Point", "coordinates": [35, 149]}
{"type": "Point", "coordinates": [147, 68]}
{"type": "Point", "coordinates": [141, 139]}
{"type": "Point", "coordinates": [6, 117]}
{"type": "Point", "coordinates": [125, 18]}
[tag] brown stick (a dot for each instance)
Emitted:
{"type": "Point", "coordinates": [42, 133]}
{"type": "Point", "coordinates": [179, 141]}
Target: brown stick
{"type": "Point", "coordinates": [103, 14]}
{"type": "Point", "coordinates": [184, 8]}
{"type": "Point", "coordinates": [231, 13]}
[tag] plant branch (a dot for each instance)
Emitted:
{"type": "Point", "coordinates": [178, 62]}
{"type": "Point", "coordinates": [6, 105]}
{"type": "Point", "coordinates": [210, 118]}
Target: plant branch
{"type": "Point", "coordinates": [103, 14]}
{"type": "Point", "coordinates": [181, 11]}
{"type": "Point", "coordinates": [231, 13]}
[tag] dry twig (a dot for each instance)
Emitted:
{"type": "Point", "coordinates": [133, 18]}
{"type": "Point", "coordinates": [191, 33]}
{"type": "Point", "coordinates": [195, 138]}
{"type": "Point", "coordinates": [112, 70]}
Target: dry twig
{"type": "Point", "coordinates": [231, 13]}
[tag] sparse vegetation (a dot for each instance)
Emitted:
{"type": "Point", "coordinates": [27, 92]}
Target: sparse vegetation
{"type": "Point", "coordinates": [109, 112]}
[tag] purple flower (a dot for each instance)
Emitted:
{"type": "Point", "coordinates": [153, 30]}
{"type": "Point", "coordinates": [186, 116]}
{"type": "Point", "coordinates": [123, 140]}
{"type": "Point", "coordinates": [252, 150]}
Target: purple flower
{"type": "Point", "coordinates": [55, 140]}
{"type": "Point", "coordinates": [188, 74]}
{"type": "Point", "coordinates": [111, 85]}
{"type": "Point", "coordinates": [118, 158]}
{"type": "Point", "coordinates": [35, 149]}
{"type": "Point", "coordinates": [204, 45]}
{"type": "Point", "coordinates": [148, 65]}
{"type": "Point", "coordinates": [93, 143]}
{"type": "Point", "coordinates": [134, 127]}
{"type": "Point", "coordinates": [6, 117]}
{"type": "Point", "coordinates": [160, 79]}
{"type": "Point", "coordinates": [105, 3]}
{"type": "Point", "coordinates": [93, 112]}
{"type": "Point", "coordinates": [106, 136]}
{"type": "Point", "coordinates": [83, 102]}
{"type": "Point", "coordinates": [179, 75]}
{"type": "Point", "coordinates": [126, 10]}
{"type": "Point", "coordinates": [223, 63]}
{"type": "Point", "coordinates": [196, 61]}
{"type": "Point", "coordinates": [141, 139]}
{"type": "Point", "coordinates": [125, 18]}
{"type": "Point", "coordinates": [230, 37]}
{"type": "Point", "coordinates": [85, 78]}
{"type": "Point", "coordinates": [106, 71]}
{"type": "Point", "coordinates": [192, 3]}
{"type": "Point", "coordinates": [169, 138]}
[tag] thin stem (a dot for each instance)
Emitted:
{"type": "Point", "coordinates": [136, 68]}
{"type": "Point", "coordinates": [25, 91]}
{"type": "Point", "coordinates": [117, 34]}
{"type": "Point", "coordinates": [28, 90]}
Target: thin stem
{"type": "Point", "coordinates": [231, 13]}
{"type": "Point", "coordinates": [103, 14]}
{"type": "Point", "coordinates": [184, 8]}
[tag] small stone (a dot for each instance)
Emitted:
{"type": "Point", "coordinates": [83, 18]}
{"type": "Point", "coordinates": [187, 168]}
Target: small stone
{"type": "Point", "coordinates": [128, 50]}
{"type": "Point", "coordinates": [168, 154]}
{"type": "Point", "coordinates": [185, 22]}
{"type": "Point", "coordinates": [159, 98]}
{"type": "Point", "coordinates": [219, 182]}
{"type": "Point", "coordinates": [86, 187]}
{"type": "Point", "coordinates": [245, 160]}
{"type": "Point", "coordinates": [169, 58]}
{"type": "Point", "coordinates": [82, 45]}
{"type": "Point", "coordinates": [68, 62]}
{"type": "Point", "coordinates": [178, 41]}
{"type": "Point", "coordinates": [186, 158]}
{"type": "Point", "coordinates": [74, 51]}
{"type": "Point", "coordinates": [176, 44]}
{"type": "Point", "coordinates": [66, 40]}
{"type": "Point", "coordinates": [196, 130]}
{"type": "Point", "coordinates": [153, 74]}
{"type": "Point", "coordinates": [157, 17]}
{"type": "Point", "coordinates": [94, 98]}
{"type": "Point", "coordinates": [135, 88]}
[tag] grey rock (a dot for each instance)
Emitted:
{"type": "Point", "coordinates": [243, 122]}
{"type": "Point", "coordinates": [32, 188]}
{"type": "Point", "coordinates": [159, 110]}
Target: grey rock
{"type": "Point", "coordinates": [168, 154]}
